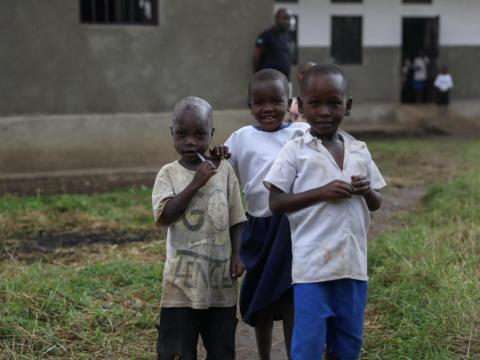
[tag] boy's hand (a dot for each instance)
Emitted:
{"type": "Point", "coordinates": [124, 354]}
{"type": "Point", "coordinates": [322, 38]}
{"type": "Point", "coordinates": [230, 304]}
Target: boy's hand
{"type": "Point", "coordinates": [236, 266]}
{"type": "Point", "coordinates": [360, 185]}
{"type": "Point", "coordinates": [219, 152]}
{"type": "Point", "coordinates": [337, 189]}
{"type": "Point", "coordinates": [204, 172]}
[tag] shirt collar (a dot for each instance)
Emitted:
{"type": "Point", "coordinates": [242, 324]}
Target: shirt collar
{"type": "Point", "coordinates": [351, 144]}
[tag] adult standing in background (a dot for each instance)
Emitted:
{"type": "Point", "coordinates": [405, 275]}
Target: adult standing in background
{"type": "Point", "coordinates": [272, 46]}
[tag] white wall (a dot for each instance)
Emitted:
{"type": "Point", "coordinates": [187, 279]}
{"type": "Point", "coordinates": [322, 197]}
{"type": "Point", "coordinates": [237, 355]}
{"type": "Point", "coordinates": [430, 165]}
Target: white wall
{"type": "Point", "coordinates": [382, 20]}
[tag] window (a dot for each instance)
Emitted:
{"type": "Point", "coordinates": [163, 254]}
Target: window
{"type": "Point", "coordinates": [135, 12]}
{"type": "Point", "coordinates": [286, 1]}
{"type": "Point", "coordinates": [347, 1]}
{"type": "Point", "coordinates": [417, 1]}
{"type": "Point", "coordinates": [346, 42]}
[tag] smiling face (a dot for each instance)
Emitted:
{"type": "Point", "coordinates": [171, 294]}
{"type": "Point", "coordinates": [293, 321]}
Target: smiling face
{"type": "Point", "coordinates": [192, 133]}
{"type": "Point", "coordinates": [268, 103]}
{"type": "Point", "coordinates": [324, 103]}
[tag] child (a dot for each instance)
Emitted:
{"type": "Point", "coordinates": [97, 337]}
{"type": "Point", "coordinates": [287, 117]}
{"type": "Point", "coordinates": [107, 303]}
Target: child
{"type": "Point", "coordinates": [301, 70]}
{"type": "Point", "coordinates": [443, 83]}
{"type": "Point", "coordinates": [266, 247]}
{"type": "Point", "coordinates": [326, 181]}
{"type": "Point", "coordinates": [200, 202]}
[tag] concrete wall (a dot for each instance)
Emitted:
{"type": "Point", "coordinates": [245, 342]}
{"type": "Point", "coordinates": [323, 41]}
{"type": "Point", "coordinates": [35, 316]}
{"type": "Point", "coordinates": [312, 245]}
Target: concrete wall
{"type": "Point", "coordinates": [377, 79]}
{"type": "Point", "coordinates": [52, 64]}
{"type": "Point", "coordinates": [31, 144]}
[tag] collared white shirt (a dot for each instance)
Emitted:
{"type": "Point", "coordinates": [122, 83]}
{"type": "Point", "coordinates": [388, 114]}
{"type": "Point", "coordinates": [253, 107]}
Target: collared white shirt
{"type": "Point", "coordinates": [329, 238]}
{"type": "Point", "coordinates": [253, 152]}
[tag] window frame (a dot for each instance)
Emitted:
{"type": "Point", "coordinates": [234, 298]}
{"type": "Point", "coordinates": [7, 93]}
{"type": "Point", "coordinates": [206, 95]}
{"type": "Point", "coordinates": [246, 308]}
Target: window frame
{"type": "Point", "coordinates": [337, 40]}
{"type": "Point", "coordinates": [131, 15]}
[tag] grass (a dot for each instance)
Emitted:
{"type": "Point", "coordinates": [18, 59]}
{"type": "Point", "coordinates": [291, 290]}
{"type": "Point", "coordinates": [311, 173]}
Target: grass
{"type": "Point", "coordinates": [101, 302]}
{"type": "Point", "coordinates": [117, 212]}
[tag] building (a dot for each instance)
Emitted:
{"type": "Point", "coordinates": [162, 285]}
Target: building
{"type": "Point", "coordinates": [129, 56]}
{"type": "Point", "coordinates": [369, 38]}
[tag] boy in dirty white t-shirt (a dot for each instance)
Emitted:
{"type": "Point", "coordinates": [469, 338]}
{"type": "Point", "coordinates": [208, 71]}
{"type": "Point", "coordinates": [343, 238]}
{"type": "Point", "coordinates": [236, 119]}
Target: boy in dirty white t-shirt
{"type": "Point", "coordinates": [199, 200]}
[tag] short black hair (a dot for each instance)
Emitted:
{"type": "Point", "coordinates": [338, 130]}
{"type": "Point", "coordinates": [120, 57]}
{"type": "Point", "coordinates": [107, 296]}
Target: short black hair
{"type": "Point", "coordinates": [193, 103]}
{"type": "Point", "coordinates": [324, 69]}
{"type": "Point", "coordinates": [268, 75]}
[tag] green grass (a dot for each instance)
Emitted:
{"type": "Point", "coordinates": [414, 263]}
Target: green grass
{"type": "Point", "coordinates": [102, 303]}
{"type": "Point", "coordinates": [104, 311]}
{"type": "Point", "coordinates": [120, 211]}
{"type": "Point", "coordinates": [424, 277]}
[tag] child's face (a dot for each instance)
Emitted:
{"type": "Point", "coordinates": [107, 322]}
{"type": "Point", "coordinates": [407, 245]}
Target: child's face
{"type": "Point", "coordinates": [268, 103]}
{"type": "Point", "coordinates": [191, 134]}
{"type": "Point", "coordinates": [324, 103]}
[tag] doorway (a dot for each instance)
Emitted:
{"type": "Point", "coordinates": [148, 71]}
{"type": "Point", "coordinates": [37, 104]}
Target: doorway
{"type": "Point", "coordinates": [419, 39]}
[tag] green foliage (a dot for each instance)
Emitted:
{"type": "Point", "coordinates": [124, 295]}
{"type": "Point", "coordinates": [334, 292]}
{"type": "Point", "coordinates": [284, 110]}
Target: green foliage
{"type": "Point", "coordinates": [120, 211]}
{"type": "Point", "coordinates": [425, 279]}
{"type": "Point", "coordinates": [59, 312]}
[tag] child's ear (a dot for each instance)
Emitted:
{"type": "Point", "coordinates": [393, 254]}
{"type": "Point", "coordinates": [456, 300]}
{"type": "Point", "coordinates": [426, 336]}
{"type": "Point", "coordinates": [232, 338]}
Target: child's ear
{"type": "Point", "coordinates": [348, 107]}
{"type": "Point", "coordinates": [171, 130]}
{"type": "Point", "coordinates": [300, 104]}
{"type": "Point", "coordinates": [289, 104]}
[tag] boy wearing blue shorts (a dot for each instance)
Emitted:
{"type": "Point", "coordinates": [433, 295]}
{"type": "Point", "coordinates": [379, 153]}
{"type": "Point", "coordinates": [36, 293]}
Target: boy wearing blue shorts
{"type": "Point", "coordinates": [327, 183]}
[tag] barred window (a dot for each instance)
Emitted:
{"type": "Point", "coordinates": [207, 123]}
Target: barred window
{"type": "Point", "coordinates": [346, 42]}
{"type": "Point", "coordinates": [133, 12]}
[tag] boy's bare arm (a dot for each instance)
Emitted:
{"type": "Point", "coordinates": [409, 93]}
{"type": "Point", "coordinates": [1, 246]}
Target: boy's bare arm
{"type": "Point", "coordinates": [176, 206]}
{"type": "Point", "coordinates": [236, 265]}
{"type": "Point", "coordinates": [373, 199]}
{"type": "Point", "coordinates": [281, 202]}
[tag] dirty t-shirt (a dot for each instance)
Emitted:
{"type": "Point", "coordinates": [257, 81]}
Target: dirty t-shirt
{"type": "Point", "coordinates": [197, 268]}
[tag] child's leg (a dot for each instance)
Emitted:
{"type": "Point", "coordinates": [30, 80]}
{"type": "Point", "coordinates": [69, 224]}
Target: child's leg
{"type": "Point", "coordinates": [178, 334]}
{"type": "Point", "coordinates": [218, 332]}
{"type": "Point", "coordinates": [263, 333]}
{"type": "Point", "coordinates": [287, 316]}
{"type": "Point", "coordinates": [312, 311]}
{"type": "Point", "coordinates": [346, 328]}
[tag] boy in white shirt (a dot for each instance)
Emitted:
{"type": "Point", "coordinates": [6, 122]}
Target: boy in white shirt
{"type": "Point", "coordinates": [326, 182]}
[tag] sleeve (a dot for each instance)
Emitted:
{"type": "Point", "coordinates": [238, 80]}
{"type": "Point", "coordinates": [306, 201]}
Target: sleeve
{"type": "Point", "coordinates": [260, 40]}
{"type": "Point", "coordinates": [236, 212]}
{"type": "Point", "coordinates": [284, 170]}
{"type": "Point", "coordinates": [231, 143]}
{"type": "Point", "coordinates": [377, 181]}
{"type": "Point", "coordinates": [163, 191]}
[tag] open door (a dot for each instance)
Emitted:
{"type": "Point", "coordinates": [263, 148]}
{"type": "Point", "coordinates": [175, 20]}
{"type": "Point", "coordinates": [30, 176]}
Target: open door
{"type": "Point", "coordinates": [419, 36]}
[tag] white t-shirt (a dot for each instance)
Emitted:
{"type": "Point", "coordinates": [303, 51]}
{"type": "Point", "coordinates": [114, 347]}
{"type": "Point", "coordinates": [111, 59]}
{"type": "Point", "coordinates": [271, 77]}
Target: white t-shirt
{"type": "Point", "coordinates": [420, 68]}
{"type": "Point", "coordinates": [197, 268]}
{"type": "Point", "coordinates": [329, 238]}
{"type": "Point", "coordinates": [443, 82]}
{"type": "Point", "coordinates": [253, 152]}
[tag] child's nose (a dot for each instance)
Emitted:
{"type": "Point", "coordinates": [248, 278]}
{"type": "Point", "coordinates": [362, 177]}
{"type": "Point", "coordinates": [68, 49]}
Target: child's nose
{"type": "Point", "coordinates": [324, 110]}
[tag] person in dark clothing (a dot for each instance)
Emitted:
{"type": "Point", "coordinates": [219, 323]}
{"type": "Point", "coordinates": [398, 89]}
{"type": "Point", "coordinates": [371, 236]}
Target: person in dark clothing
{"type": "Point", "coordinates": [272, 46]}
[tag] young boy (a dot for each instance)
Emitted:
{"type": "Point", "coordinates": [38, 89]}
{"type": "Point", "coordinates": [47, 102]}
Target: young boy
{"type": "Point", "coordinates": [200, 203]}
{"type": "Point", "coordinates": [327, 182]}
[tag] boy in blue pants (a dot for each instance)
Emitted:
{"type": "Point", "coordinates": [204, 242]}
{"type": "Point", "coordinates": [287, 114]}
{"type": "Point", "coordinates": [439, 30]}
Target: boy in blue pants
{"type": "Point", "coordinates": [327, 183]}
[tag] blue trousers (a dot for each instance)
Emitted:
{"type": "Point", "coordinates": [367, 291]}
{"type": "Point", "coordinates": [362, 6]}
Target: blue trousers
{"type": "Point", "coordinates": [329, 315]}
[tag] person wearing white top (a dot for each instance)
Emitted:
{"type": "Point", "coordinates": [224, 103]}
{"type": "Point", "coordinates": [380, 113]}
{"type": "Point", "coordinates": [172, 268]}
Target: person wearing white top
{"type": "Point", "coordinates": [443, 83]}
{"type": "Point", "coordinates": [326, 182]}
{"type": "Point", "coordinates": [266, 293]}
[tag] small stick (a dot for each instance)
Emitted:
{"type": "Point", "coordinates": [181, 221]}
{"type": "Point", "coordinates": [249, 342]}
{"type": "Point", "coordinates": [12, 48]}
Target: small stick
{"type": "Point", "coordinates": [200, 157]}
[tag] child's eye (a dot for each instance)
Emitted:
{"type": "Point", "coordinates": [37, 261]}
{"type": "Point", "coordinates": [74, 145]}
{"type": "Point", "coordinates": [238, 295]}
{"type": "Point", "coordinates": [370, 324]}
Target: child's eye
{"type": "Point", "coordinates": [180, 133]}
{"type": "Point", "coordinates": [201, 135]}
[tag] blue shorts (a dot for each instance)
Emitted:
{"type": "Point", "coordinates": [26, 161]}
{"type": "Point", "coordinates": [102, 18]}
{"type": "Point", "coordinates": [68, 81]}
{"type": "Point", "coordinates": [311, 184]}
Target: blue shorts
{"type": "Point", "coordinates": [329, 314]}
{"type": "Point", "coordinates": [419, 85]}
